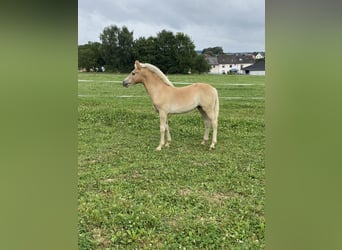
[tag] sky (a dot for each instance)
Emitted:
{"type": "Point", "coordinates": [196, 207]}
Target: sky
{"type": "Point", "coordinates": [236, 26]}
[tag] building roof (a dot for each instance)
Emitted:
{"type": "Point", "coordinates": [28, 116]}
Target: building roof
{"type": "Point", "coordinates": [235, 58]}
{"type": "Point", "coordinates": [212, 60]}
{"type": "Point", "coordinates": [258, 66]}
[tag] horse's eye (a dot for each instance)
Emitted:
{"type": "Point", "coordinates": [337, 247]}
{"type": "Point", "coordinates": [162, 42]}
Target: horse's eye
{"type": "Point", "coordinates": [133, 73]}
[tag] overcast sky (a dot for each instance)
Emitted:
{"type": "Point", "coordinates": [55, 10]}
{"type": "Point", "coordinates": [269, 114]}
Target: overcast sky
{"type": "Point", "coordinates": [236, 26]}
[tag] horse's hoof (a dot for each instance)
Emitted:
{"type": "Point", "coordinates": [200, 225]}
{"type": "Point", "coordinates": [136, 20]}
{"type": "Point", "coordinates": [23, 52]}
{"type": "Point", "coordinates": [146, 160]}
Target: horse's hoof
{"type": "Point", "coordinates": [203, 142]}
{"type": "Point", "coordinates": [158, 148]}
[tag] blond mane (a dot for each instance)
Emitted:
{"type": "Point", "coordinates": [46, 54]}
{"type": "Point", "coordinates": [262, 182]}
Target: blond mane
{"type": "Point", "coordinates": [158, 72]}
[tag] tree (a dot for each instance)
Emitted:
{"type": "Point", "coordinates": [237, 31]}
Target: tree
{"type": "Point", "coordinates": [126, 60]}
{"type": "Point", "coordinates": [174, 53]}
{"type": "Point", "coordinates": [201, 65]}
{"type": "Point", "coordinates": [213, 51]}
{"type": "Point", "coordinates": [89, 56]}
{"type": "Point", "coordinates": [117, 48]}
{"type": "Point", "coordinates": [144, 49]}
{"type": "Point", "coordinates": [165, 51]}
{"type": "Point", "coordinates": [185, 53]}
{"type": "Point", "coordinates": [109, 48]}
{"type": "Point", "coordinates": [171, 53]}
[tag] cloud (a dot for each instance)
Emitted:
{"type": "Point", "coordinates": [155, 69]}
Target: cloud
{"type": "Point", "coordinates": [233, 25]}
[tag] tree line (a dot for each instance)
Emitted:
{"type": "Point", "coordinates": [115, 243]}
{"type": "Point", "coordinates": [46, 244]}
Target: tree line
{"type": "Point", "coordinates": [172, 53]}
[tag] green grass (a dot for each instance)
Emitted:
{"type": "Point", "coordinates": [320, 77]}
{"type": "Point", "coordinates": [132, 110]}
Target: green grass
{"type": "Point", "coordinates": [183, 197]}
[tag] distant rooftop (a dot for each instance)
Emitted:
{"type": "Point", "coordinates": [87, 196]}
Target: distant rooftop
{"type": "Point", "coordinates": [258, 66]}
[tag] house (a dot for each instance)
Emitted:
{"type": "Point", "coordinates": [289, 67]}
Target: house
{"type": "Point", "coordinates": [229, 63]}
{"type": "Point", "coordinates": [214, 65]}
{"type": "Point", "coordinates": [257, 68]}
{"type": "Point", "coordinates": [260, 55]}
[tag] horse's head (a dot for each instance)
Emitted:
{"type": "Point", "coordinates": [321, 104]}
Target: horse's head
{"type": "Point", "coordinates": [134, 77]}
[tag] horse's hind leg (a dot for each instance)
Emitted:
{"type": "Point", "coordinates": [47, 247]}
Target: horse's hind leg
{"type": "Point", "coordinates": [210, 120]}
{"type": "Point", "coordinates": [214, 139]}
{"type": "Point", "coordinates": [206, 131]}
{"type": "Point", "coordinates": [206, 125]}
{"type": "Point", "coordinates": [214, 121]}
{"type": "Point", "coordinates": [168, 135]}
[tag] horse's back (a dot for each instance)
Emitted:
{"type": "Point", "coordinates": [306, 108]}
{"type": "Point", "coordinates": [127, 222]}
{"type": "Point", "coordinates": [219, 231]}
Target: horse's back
{"type": "Point", "coordinates": [205, 90]}
{"type": "Point", "coordinates": [199, 87]}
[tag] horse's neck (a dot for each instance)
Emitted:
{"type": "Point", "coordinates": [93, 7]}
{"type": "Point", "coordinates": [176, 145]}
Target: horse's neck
{"type": "Point", "coordinates": [154, 85]}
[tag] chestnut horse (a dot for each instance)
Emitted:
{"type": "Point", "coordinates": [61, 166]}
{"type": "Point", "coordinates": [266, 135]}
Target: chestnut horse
{"type": "Point", "coordinates": [168, 99]}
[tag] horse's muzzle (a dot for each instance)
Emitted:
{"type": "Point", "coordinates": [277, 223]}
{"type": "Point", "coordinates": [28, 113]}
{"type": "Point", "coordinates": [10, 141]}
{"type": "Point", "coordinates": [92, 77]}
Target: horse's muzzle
{"type": "Point", "coordinates": [125, 83]}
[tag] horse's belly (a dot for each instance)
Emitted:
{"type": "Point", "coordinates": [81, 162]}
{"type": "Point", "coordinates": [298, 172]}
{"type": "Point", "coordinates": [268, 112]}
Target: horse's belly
{"type": "Point", "coordinates": [178, 108]}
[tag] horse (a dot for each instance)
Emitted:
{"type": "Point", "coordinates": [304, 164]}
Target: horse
{"type": "Point", "coordinates": [168, 99]}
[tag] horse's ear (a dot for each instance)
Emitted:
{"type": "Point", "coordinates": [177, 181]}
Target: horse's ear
{"type": "Point", "coordinates": [137, 64]}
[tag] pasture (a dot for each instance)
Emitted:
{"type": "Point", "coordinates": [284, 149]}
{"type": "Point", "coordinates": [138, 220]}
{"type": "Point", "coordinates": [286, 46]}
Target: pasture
{"type": "Point", "coordinates": [184, 196]}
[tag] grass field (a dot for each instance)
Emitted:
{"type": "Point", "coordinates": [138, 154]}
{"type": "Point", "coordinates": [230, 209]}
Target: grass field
{"type": "Point", "coordinates": [183, 197]}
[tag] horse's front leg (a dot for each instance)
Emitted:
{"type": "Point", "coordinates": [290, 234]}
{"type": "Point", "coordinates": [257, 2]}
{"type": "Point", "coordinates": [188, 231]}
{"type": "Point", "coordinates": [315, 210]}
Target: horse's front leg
{"type": "Point", "coordinates": [163, 126]}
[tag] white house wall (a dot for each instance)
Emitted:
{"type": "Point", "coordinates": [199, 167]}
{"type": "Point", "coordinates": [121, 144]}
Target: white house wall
{"type": "Point", "coordinates": [214, 69]}
{"type": "Point", "coordinates": [225, 68]}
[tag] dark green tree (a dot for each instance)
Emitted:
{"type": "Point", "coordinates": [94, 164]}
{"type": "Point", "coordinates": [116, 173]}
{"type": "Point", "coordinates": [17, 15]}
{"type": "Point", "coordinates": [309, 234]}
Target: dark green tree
{"type": "Point", "coordinates": [126, 60]}
{"type": "Point", "coordinates": [174, 53]}
{"type": "Point", "coordinates": [144, 50]}
{"type": "Point", "coordinates": [185, 53]}
{"type": "Point", "coordinates": [201, 65]}
{"type": "Point", "coordinates": [213, 51]}
{"type": "Point", "coordinates": [89, 56]}
{"type": "Point", "coordinates": [109, 48]}
{"type": "Point", "coordinates": [166, 52]}
{"type": "Point", "coordinates": [117, 48]}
